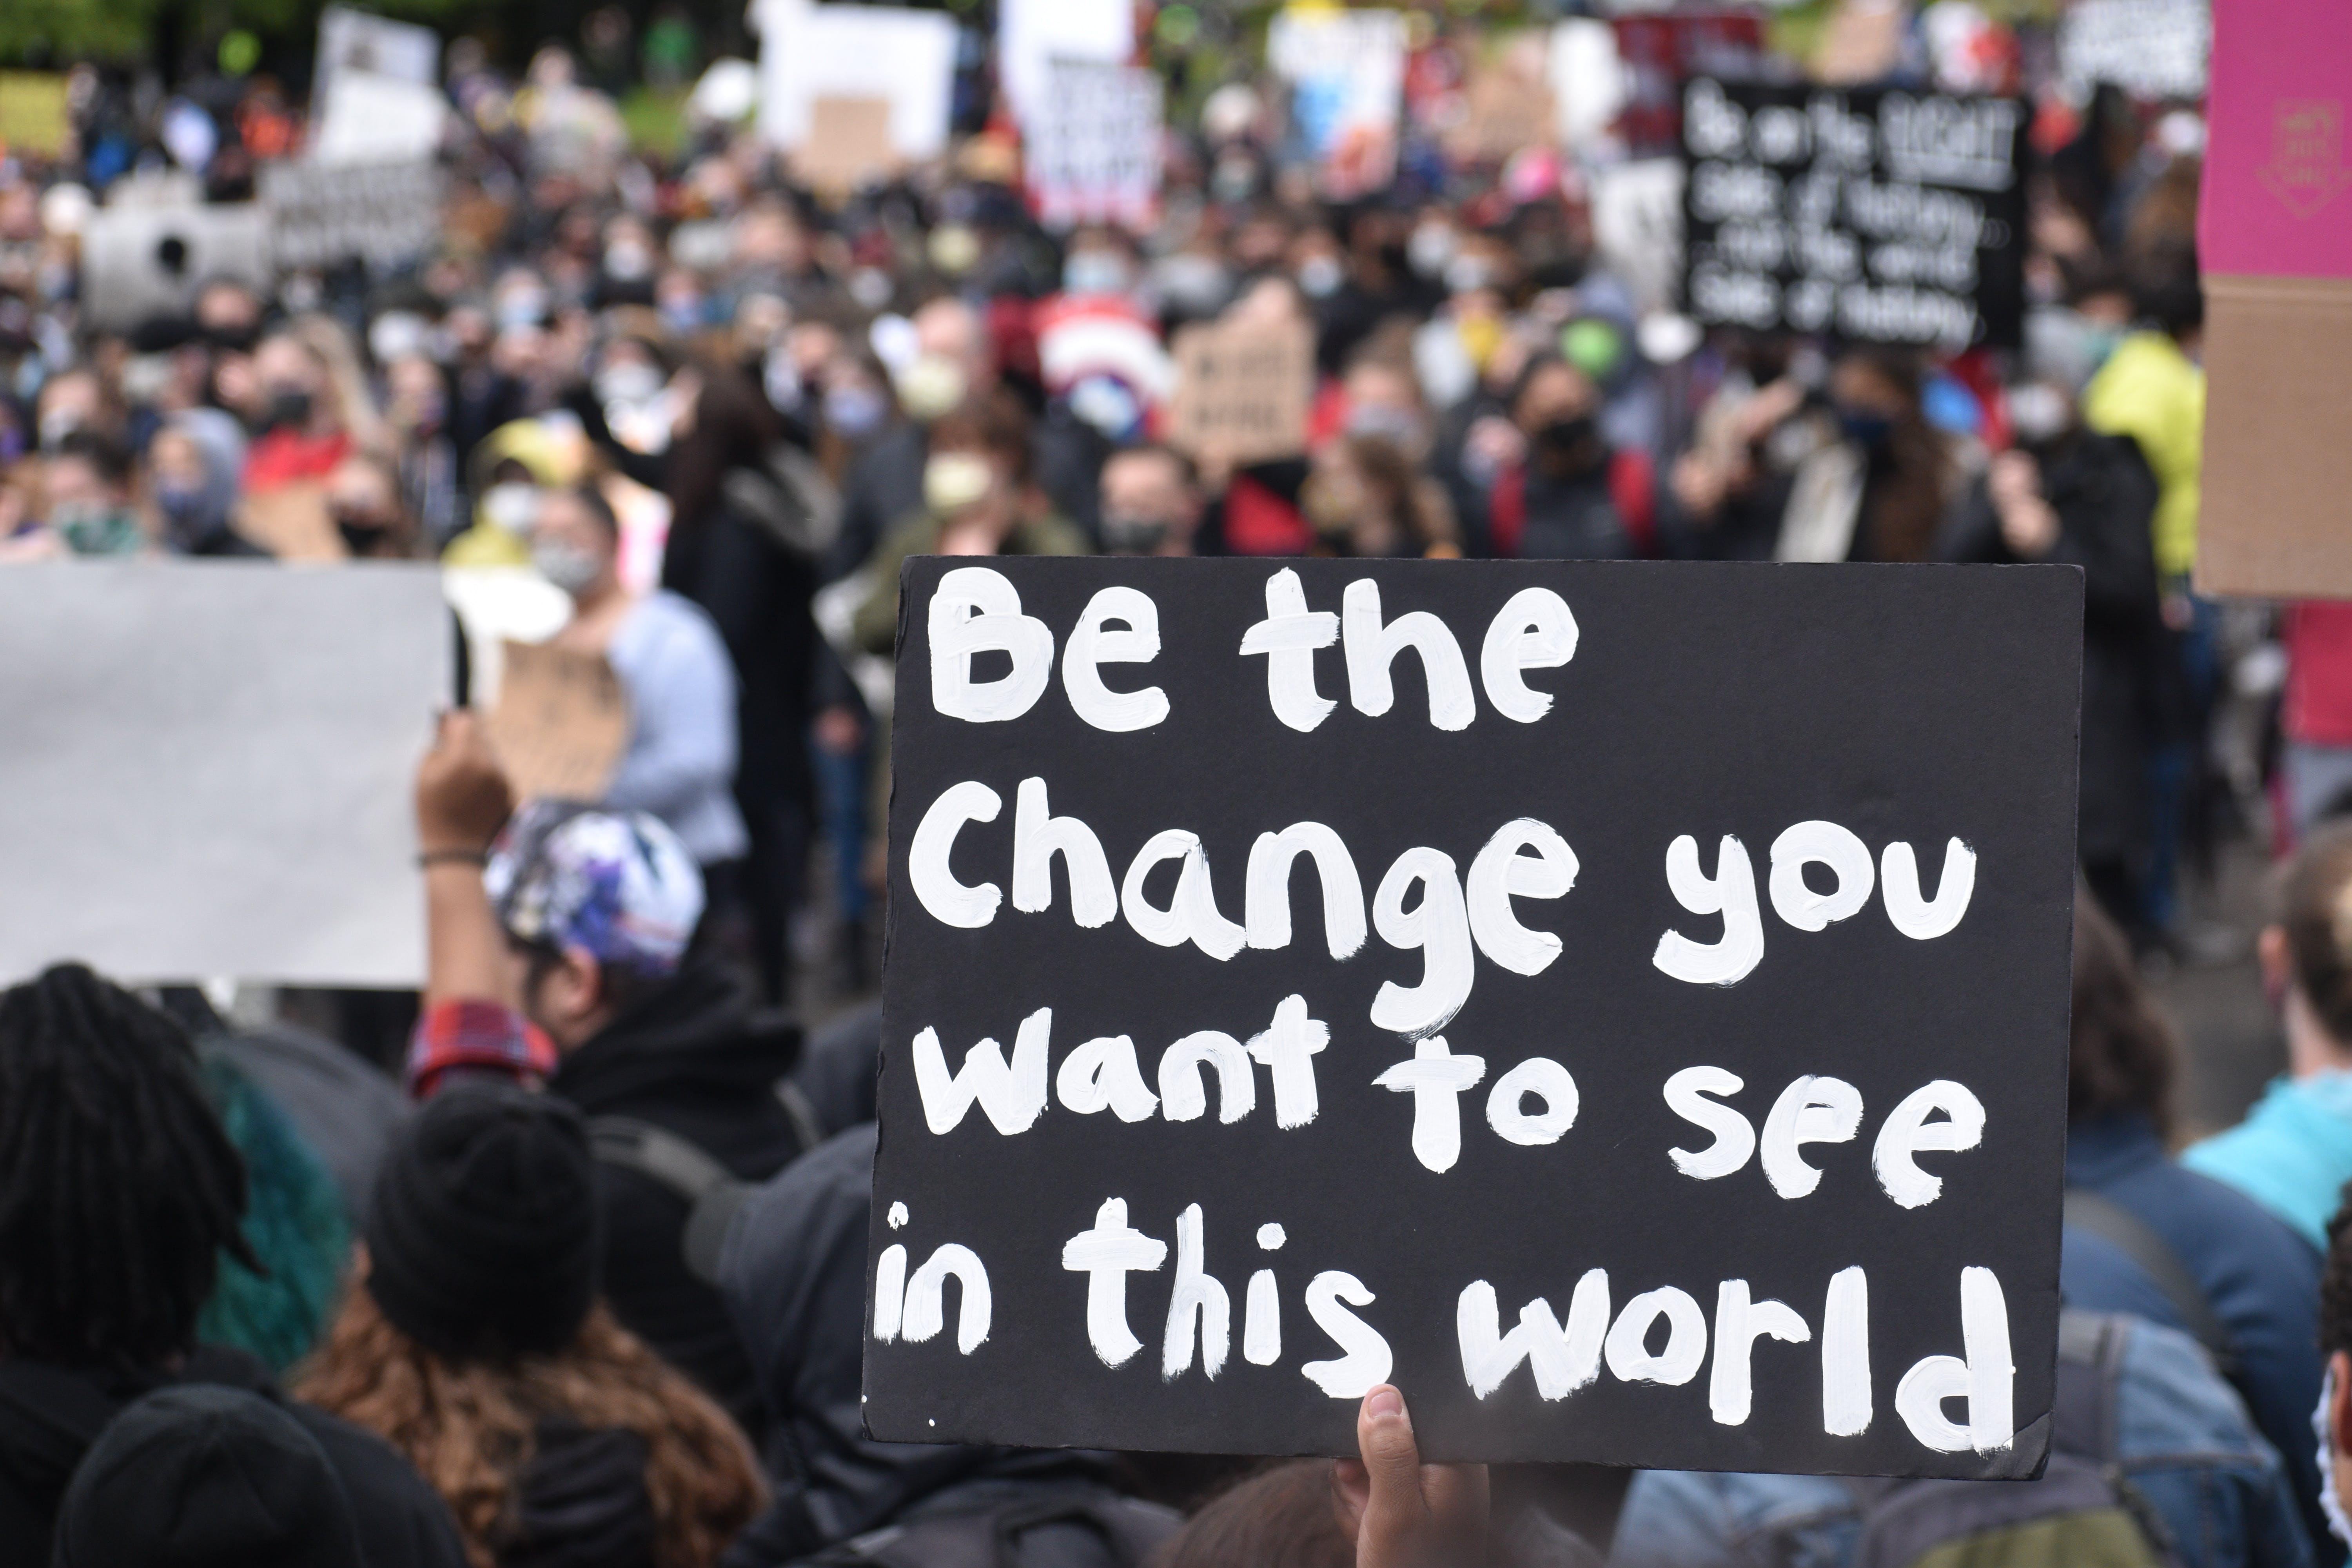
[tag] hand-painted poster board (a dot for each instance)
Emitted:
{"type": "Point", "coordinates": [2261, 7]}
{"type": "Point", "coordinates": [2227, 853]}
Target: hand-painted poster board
{"type": "Point", "coordinates": [1874, 215]}
{"type": "Point", "coordinates": [1502, 979]}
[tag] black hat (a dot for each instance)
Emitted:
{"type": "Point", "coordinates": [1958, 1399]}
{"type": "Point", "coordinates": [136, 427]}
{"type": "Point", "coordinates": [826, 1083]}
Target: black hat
{"type": "Point", "coordinates": [205, 1477]}
{"type": "Point", "coordinates": [483, 1236]}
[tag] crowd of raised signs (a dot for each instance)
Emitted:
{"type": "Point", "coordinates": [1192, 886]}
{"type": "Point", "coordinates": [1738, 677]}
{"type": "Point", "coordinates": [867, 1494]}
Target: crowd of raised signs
{"type": "Point", "coordinates": [582, 1279]}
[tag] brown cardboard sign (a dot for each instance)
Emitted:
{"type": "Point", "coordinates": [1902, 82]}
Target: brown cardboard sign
{"type": "Point", "coordinates": [2278, 369]}
{"type": "Point", "coordinates": [1507, 106]}
{"type": "Point", "coordinates": [292, 521]}
{"type": "Point", "coordinates": [1243, 391]}
{"type": "Point", "coordinates": [1861, 44]}
{"type": "Point", "coordinates": [848, 143]}
{"type": "Point", "coordinates": [562, 722]}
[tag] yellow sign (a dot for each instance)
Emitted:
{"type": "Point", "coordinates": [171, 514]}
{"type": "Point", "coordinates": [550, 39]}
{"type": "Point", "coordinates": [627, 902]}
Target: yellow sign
{"type": "Point", "coordinates": [33, 117]}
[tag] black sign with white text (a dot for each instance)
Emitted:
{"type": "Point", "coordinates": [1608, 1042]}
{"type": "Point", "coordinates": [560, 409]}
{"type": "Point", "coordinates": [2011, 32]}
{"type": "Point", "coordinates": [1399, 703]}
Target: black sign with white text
{"type": "Point", "coordinates": [1874, 216]}
{"type": "Point", "coordinates": [1623, 1004]}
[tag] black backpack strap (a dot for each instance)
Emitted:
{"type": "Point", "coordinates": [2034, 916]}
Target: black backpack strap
{"type": "Point", "coordinates": [712, 1191]}
{"type": "Point", "coordinates": [807, 1125]}
{"type": "Point", "coordinates": [2111, 1222]}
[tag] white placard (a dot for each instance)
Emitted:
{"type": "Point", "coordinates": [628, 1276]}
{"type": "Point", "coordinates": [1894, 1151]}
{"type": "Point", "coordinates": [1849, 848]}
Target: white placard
{"type": "Point", "coordinates": [208, 768]}
{"type": "Point", "coordinates": [2156, 49]}
{"type": "Point", "coordinates": [1093, 148]}
{"type": "Point", "coordinates": [808, 52]}
{"type": "Point", "coordinates": [375, 118]}
{"type": "Point", "coordinates": [354, 40]}
{"type": "Point", "coordinates": [1031, 35]}
{"type": "Point", "coordinates": [1345, 73]}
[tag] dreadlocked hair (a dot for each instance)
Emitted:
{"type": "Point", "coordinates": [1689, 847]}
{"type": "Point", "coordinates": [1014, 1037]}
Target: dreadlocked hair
{"type": "Point", "coordinates": [469, 1427]}
{"type": "Point", "coordinates": [119, 1189]}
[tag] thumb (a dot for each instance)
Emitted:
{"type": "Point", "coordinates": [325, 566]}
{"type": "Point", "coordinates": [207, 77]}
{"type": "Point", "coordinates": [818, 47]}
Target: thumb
{"type": "Point", "coordinates": [1392, 1461]}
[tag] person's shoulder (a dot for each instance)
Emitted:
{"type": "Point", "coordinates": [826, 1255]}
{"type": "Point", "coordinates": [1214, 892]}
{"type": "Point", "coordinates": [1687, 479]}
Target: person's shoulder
{"type": "Point", "coordinates": [1053, 534]}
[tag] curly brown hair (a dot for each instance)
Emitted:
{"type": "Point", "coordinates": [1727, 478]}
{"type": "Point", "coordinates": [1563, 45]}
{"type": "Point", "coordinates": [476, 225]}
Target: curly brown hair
{"type": "Point", "coordinates": [469, 1427]}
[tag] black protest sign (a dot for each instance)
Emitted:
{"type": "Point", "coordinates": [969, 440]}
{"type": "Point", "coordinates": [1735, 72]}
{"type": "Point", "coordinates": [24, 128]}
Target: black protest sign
{"type": "Point", "coordinates": [1625, 1005]}
{"type": "Point", "coordinates": [1874, 216]}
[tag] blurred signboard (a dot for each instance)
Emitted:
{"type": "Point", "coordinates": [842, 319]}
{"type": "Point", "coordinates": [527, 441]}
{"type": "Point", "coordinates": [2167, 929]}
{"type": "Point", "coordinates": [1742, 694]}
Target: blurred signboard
{"type": "Point", "coordinates": [1874, 216]}
{"type": "Point", "coordinates": [321, 214]}
{"type": "Point", "coordinates": [1093, 149]}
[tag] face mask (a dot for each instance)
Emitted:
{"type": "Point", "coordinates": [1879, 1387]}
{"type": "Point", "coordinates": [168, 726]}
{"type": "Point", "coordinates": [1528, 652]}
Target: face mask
{"type": "Point", "coordinates": [2039, 414]}
{"type": "Point", "coordinates": [1389, 423]}
{"type": "Point", "coordinates": [521, 309]}
{"type": "Point", "coordinates": [1123, 534]}
{"type": "Point", "coordinates": [2331, 1503]}
{"type": "Point", "coordinates": [1567, 446]}
{"type": "Point", "coordinates": [1430, 249]}
{"type": "Point", "coordinates": [179, 503]}
{"type": "Point", "coordinates": [629, 380]}
{"type": "Point", "coordinates": [1319, 277]}
{"type": "Point", "coordinates": [1468, 274]}
{"type": "Point", "coordinates": [91, 527]}
{"type": "Point", "coordinates": [853, 411]}
{"type": "Point", "coordinates": [56, 426]}
{"type": "Point", "coordinates": [289, 408]}
{"type": "Point", "coordinates": [627, 262]}
{"type": "Point", "coordinates": [362, 535]}
{"type": "Point", "coordinates": [1094, 272]}
{"type": "Point", "coordinates": [682, 316]}
{"type": "Point", "coordinates": [566, 564]}
{"type": "Point", "coordinates": [1865, 429]}
{"type": "Point", "coordinates": [512, 506]}
{"type": "Point", "coordinates": [954, 480]}
{"type": "Point", "coordinates": [930, 387]}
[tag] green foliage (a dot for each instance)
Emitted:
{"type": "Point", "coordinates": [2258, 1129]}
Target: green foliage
{"type": "Point", "coordinates": [60, 32]}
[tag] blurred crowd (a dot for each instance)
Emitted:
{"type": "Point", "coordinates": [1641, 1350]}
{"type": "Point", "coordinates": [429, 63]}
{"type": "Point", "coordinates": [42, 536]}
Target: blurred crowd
{"type": "Point", "coordinates": [582, 1281]}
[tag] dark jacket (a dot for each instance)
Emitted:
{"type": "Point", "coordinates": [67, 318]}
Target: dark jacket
{"type": "Point", "coordinates": [794, 1275]}
{"type": "Point", "coordinates": [2260, 1277]}
{"type": "Point", "coordinates": [2104, 494]}
{"type": "Point", "coordinates": [49, 1415]}
{"type": "Point", "coordinates": [699, 1058]}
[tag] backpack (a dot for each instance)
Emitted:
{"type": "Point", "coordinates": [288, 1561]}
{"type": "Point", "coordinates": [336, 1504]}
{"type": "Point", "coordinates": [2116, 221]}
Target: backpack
{"type": "Point", "coordinates": [711, 1191]}
{"type": "Point", "coordinates": [1129, 1529]}
{"type": "Point", "coordinates": [2082, 1513]}
{"type": "Point", "coordinates": [2111, 1222]}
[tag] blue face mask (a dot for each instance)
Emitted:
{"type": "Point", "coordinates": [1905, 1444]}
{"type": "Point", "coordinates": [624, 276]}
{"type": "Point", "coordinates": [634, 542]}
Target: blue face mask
{"type": "Point", "coordinates": [853, 411]}
{"type": "Point", "coordinates": [1866, 430]}
{"type": "Point", "coordinates": [1094, 272]}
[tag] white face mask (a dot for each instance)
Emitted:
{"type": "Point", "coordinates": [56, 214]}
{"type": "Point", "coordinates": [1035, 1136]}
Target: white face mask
{"type": "Point", "coordinates": [513, 506]}
{"type": "Point", "coordinates": [566, 564]}
{"type": "Point", "coordinates": [930, 387]}
{"type": "Point", "coordinates": [954, 480]}
{"type": "Point", "coordinates": [2331, 1503]}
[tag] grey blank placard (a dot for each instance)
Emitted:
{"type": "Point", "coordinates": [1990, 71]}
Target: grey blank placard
{"type": "Point", "coordinates": [205, 768]}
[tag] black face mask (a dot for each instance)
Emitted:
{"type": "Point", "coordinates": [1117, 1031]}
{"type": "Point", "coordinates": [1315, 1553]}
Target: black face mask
{"type": "Point", "coordinates": [1569, 446]}
{"type": "Point", "coordinates": [288, 407]}
{"type": "Point", "coordinates": [361, 534]}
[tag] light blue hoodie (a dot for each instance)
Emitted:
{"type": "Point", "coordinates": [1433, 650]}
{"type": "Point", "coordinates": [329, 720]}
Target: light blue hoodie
{"type": "Point", "coordinates": [2291, 1155]}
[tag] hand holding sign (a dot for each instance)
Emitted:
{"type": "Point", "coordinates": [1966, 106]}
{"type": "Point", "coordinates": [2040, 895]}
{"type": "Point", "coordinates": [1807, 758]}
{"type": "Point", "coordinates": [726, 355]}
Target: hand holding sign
{"type": "Point", "coordinates": [1612, 1138]}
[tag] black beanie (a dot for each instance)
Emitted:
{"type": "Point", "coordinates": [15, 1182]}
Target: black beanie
{"type": "Point", "coordinates": [205, 1477]}
{"type": "Point", "coordinates": [483, 1235]}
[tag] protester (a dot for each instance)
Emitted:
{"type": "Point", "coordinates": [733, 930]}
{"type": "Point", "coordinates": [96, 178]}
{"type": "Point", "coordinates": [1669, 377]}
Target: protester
{"type": "Point", "coordinates": [2250, 1285]}
{"type": "Point", "coordinates": [194, 1477]}
{"type": "Point", "coordinates": [88, 478]}
{"type": "Point", "coordinates": [121, 1194]}
{"type": "Point", "coordinates": [196, 457]}
{"type": "Point", "coordinates": [979, 499]}
{"type": "Point", "coordinates": [1151, 502]}
{"type": "Point", "coordinates": [476, 1344]}
{"type": "Point", "coordinates": [2293, 1154]}
{"type": "Point", "coordinates": [2333, 1417]}
{"type": "Point", "coordinates": [2086, 500]}
{"type": "Point", "coordinates": [794, 1275]}
{"type": "Point", "coordinates": [679, 763]}
{"type": "Point", "coordinates": [559, 955]}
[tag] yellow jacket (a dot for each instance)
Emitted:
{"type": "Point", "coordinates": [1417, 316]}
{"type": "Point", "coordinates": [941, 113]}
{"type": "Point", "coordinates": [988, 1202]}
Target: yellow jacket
{"type": "Point", "coordinates": [2152, 392]}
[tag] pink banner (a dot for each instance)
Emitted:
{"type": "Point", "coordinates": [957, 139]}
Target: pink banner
{"type": "Point", "coordinates": [2278, 170]}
